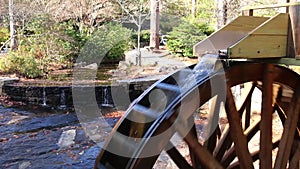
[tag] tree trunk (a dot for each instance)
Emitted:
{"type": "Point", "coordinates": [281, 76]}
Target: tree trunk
{"type": "Point", "coordinates": [139, 25]}
{"type": "Point", "coordinates": [139, 55]}
{"type": "Point", "coordinates": [13, 37]}
{"type": "Point", "coordinates": [222, 12]}
{"type": "Point", "coordinates": [154, 24]}
{"type": "Point", "coordinates": [194, 7]}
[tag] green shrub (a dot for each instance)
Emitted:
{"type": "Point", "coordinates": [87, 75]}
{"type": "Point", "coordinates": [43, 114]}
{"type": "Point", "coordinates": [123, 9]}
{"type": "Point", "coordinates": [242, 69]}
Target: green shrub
{"type": "Point", "coordinates": [110, 41]}
{"type": "Point", "coordinates": [55, 43]}
{"type": "Point", "coordinates": [24, 65]}
{"type": "Point", "coordinates": [144, 39]}
{"type": "Point", "coordinates": [183, 37]}
{"type": "Point", "coordinates": [4, 35]}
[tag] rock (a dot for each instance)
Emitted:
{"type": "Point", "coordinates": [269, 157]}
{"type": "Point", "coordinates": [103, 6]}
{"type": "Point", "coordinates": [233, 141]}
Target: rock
{"type": "Point", "coordinates": [67, 138]}
{"type": "Point", "coordinates": [131, 57]}
{"type": "Point", "coordinates": [24, 165]}
{"type": "Point", "coordinates": [6, 80]}
{"type": "Point", "coordinates": [123, 65]}
{"type": "Point", "coordinates": [162, 69]}
{"type": "Point", "coordinates": [80, 64]}
{"type": "Point", "coordinates": [16, 119]}
{"type": "Point", "coordinates": [92, 66]}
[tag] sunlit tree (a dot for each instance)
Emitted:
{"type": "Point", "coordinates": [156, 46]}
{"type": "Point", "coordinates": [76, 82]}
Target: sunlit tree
{"type": "Point", "coordinates": [136, 12]}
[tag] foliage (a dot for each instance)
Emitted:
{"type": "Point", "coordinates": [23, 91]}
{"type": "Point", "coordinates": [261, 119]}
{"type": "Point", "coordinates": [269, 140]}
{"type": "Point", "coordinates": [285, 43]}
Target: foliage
{"type": "Point", "coordinates": [183, 8]}
{"type": "Point", "coordinates": [206, 10]}
{"type": "Point", "coordinates": [110, 41]}
{"type": "Point", "coordinates": [188, 33]}
{"type": "Point", "coordinates": [48, 39]}
{"type": "Point", "coordinates": [79, 36]}
{"type": "Point", "coordinates": [168, 22]}
{"type": "Point", "coordinates": [45, 45]}
{"type": "Point", "coordinates": [25, 65]}
{"type": "Point", "coordinates": [264, 12]}
{"type": "Point", "coordinates": [176, 8]}
{"type": "Point", "coordinates": [4, 35]}
{"type": "Point", "coordinates": [144, 39]}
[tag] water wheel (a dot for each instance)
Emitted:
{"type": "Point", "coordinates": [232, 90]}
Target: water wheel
{"type": "Point", "coordinates": [170, 108]}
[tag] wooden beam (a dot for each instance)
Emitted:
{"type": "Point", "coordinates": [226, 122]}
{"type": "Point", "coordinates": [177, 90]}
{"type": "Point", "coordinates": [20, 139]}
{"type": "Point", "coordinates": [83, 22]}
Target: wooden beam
{"type": "Point", "coordinates": [267, 40]}
{"type": "Point", "coordinates": [228, 35]}
{"type": "Point", "coordinates": [272, 6]}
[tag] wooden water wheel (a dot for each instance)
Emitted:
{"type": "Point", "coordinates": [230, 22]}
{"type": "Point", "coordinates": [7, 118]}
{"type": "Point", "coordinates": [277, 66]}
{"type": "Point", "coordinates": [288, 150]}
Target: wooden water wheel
{"type": "Point", "coordinates": [147, 128]}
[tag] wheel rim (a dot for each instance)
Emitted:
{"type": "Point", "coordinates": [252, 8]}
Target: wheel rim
{"type": "Point", "coordinates": [228, 148]}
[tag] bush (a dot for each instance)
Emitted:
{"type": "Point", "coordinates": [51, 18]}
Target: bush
{"type": "Point", "coordinates": [183, 37]}
{"type": "Point", "coordinates": [24, 65]}
{"type": "Point", "coordinates": [4, 35]}
{"type": "Point", "coordinates": [48, 39]}
{"type": "Point", "coordinates": [144, 39]}
{"type": "Point", "coordinates": [53, 44]}
{"type": "Point", "coordinates": [110, 42]}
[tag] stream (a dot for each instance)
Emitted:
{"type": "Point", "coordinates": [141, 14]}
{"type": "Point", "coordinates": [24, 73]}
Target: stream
{"type": "Point", "coordinates": [43, 138]}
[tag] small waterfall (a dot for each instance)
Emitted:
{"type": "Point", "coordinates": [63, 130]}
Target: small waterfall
{"type": "Point", "coordinates": [105, 98]}
{"type": "Point", "coordinates": [62, 100]}
{"type": "Point", "coordinates": [44, 97]}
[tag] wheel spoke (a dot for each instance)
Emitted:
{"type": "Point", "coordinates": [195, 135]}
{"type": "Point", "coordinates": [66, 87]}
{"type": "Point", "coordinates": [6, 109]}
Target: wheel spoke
{"type": "Point", "coordinates": [254, 155]}
{"type": "Point", "coordinates": [225, 141]}
{"type": "Point", "coordinates": [230, 154]}
{"type": "Point", "coordinates": [248, 98]}
{"type": "Point", "coordinates": [252, 130]}
{"type": "Point", "coordinates": [266, 119]}
{"type": "Point", "coordinates": [290, 127]}
{"type": "Point", "coordinates": [223, 145]}
{"type": "Point", "coordinates": [248, 115]}
{"type": "Point", "coordinates": [193, 156]}
{"type": "Point", "coordinates": [213, 131]}
{"type": "Point", "coordinates": [237, 136]}
{"type": "Point", "coordinates": [203, 155]}
{"type": "Point", "coordinates": [294, 163]}
{"type": "Point", "coordinates": [280, 113]}
{"type": "Point", "coordinates": [228, 157]}
{"type": "Point", "coordinates": [247, 106]}
{"type": "Point", "coordinates": [177, 157]}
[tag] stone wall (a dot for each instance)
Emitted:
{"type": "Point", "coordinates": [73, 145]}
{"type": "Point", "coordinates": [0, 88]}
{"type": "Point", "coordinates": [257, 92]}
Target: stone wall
{"type": "Point", "coordinates": [61, 96]}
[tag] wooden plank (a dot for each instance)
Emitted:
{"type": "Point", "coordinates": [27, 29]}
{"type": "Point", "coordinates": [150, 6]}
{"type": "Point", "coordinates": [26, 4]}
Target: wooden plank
{"type": "Point", "coordinates": [272, 6]}
{"type": "Point", "coordinates": [295, 26]}
{"type": "Point", "coordinates": [281, 61]}
{"type": "Point", "coordinates": [228, 35]}
{"type": "Point", "coordinates": [267, 40]}
{"type": "Point", "coordinates": [261, 46]}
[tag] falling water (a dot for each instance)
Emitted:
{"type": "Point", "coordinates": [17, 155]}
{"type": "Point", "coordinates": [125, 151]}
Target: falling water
{"type": "Point", "coordinates": [105, 99]}
{"type": "Point", "coordinates": [206, 65]}
{"type": "Point", "coordinates": [204, 68]}
{"type": "Point", "coordinates": [63, 100]}
{"type": "Point", "coordinates": [44, 97]}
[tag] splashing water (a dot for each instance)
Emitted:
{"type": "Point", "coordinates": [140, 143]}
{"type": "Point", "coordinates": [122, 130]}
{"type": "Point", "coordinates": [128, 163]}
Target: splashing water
{"type": "Point", "coordinates": [205, 67]}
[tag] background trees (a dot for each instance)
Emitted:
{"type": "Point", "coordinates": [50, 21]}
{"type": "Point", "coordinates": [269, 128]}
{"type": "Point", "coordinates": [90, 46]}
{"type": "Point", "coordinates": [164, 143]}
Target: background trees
{"type": "Point", "coordinates": [136, 12]}
{"type": "Point", "coordinates": [53, 32]}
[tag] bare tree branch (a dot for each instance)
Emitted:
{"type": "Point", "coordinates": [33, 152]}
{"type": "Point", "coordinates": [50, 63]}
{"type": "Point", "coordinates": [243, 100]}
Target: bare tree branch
{"type": "Point", "coordinates": [128, 13]}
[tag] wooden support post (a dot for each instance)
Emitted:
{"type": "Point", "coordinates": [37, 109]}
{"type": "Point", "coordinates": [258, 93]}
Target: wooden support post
{"type": "Point", "coordinates": [295, 28]}
{"type": "Point", "coordinates": [247, 12]}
